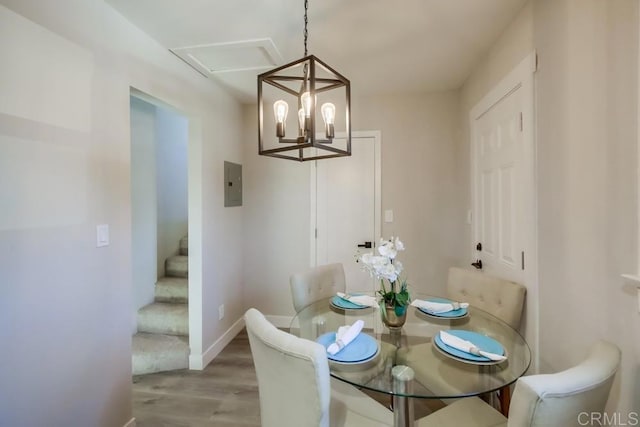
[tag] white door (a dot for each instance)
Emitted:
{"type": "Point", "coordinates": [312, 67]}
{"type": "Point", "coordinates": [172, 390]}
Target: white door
{"type": "Point", "coordinates": [504, 188]}
{"type": "Point", "coordinates": [347, 206]}
{"type": "Point", "coordinates": [498, 150]}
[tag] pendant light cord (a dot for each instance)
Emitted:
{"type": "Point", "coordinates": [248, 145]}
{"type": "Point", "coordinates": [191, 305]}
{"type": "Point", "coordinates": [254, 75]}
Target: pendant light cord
{"type": "Point", "coordinates": [306, 21]}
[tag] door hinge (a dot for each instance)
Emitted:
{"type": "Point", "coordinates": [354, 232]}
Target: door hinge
{"type": "Point", "coordinates": [521, 122]}
{"type": "Point", "coordinates": [522, 259]}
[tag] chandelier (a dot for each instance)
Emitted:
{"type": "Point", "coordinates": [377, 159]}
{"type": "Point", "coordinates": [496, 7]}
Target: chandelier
{"type": "Point", "coordinates": [314, 89]}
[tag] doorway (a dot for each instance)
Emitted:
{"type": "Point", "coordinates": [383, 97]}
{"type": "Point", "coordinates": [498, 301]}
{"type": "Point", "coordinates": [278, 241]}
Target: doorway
{"type": "Point", "coordinates": [159, 218]}
{"type": "Point", "coordinates": [159, 138]}
{"type": "Point", "coordinates": [503, 187]}
{"type": "Point", "coordinates": [345, 208]}
{"type": "Point", "coordinates": [498, 160]}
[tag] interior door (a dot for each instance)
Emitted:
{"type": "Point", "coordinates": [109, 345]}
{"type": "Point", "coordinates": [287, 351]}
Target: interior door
{"type": "Point", "coordinates": [347, 208]}
{"type": "Point", "coordinates": [498, 213]}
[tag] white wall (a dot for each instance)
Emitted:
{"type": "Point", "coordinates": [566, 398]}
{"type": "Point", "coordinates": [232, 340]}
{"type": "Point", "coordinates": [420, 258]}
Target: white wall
{"type": "Point", "coordinates": [587, 168]}
{"type": "Point", "coordinates": [419, 182]}
{"type": "Point", "coordinates": [515, 43]}
{"type": "Point", "coordinates": [144, 236]}
{"type": "Point", "coordinates": [586, 136]}
{"type": "Point", "coordinates": [64, 148]}
{"type": "Point", "coordinates": [276, 223]}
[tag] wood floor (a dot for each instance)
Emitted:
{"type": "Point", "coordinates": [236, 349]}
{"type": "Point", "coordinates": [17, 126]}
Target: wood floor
{"type": "Point", "coordinates": [224, 394]}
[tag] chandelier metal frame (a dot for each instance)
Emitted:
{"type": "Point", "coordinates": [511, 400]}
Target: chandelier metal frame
{"type": "Point", "coordinates": [307, 83]}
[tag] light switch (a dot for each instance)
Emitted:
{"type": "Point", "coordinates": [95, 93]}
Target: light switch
{"type": "Point", "coordinates": [102, 232]}
{"type": "Point", "coordinates": [388, 215]}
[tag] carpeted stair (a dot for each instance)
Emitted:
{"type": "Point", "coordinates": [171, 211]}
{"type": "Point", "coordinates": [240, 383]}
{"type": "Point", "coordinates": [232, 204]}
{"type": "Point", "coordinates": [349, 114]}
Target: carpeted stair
{"type": "Point", "coordinates": [162, 341]}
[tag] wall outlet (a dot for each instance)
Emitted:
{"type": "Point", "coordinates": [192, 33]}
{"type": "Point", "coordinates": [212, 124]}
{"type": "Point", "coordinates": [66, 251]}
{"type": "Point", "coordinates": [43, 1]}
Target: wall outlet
{"type": "Point", "coordinates": [221, 312]}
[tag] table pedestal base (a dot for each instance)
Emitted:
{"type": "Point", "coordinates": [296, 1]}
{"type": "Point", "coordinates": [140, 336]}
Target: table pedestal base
{"type": "Point", "coordinates": [402, 406]}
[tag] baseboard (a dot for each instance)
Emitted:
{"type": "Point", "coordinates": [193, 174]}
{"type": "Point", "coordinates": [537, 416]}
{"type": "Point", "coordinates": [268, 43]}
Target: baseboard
{"type": "Point", "coordinates": [131, 423]}
{"type": "Point", "coordinates": [280, 321]}
{"type": "Point", "coordinates": [199, 361]}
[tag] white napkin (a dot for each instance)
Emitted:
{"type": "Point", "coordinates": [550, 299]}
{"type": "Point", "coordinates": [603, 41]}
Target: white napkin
{"type": "Point", "coordinates": [438, 307]}
{"type": "Point", "coordinates": [468, 347]}
{"type": "Point", "coordinates": [363, 300]}
{"type": "Point", "coordinates": [344, 336]}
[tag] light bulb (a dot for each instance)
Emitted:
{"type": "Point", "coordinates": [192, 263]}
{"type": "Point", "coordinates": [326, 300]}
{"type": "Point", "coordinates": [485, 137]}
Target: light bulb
{"type": "Point", "coordinates": [329, 116]}
{"type": "Point", "coordinates": [280, 111]}
{"type": "Point", "coordinates": [305, 100]}
{"type": "Point", "coordinates": [301, 121]}
{"type": "Point", "coordinates": [328, 113]}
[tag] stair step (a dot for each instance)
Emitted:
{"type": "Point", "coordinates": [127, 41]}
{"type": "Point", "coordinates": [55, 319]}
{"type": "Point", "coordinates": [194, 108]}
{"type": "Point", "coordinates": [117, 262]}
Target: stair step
{"type": "Point", "coordinates": [156, 353]}
{"type": "Point", "coordinates": [173, 290]}
{"type": "Point", "coordinates": [177, 266]}
{"type": "Point", "coordinates": [184, 246]}
{"type": "Point", "coordinates": [164, 318]}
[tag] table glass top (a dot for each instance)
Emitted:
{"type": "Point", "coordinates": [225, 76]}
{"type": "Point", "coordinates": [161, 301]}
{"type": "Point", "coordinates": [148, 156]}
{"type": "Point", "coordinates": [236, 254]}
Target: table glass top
{"type": "Point", "coordinates": [438, 373]}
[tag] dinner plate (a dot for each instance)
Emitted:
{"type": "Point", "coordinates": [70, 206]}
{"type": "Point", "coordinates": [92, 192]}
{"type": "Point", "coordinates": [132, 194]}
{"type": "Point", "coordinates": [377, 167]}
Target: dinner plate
{"type": "Point", "coordinates": [362, 349]}
{"type": "Point", "coordinates": [483, 342]}
{"type": "Point", "coordinates": [344, 304]}
{"type": "Point", "coordinates": [453, 314]}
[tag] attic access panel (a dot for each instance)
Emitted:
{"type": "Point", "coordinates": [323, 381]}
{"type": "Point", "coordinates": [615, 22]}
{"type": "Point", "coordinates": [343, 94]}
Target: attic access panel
{"type": "Point", "coordinates": [243, 55]}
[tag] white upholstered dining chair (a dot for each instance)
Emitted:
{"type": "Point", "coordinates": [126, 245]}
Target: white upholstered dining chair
{"type": "Point", "coordinates": [501, 298]}
{"type": "Point", "coordinates": [316, 283]}
{"type": "Point", "coordinates": [323, 282]}
{"type": "Point", "coordinates": [295, 387]}
{"type": "Point", "coordinates": [549, 400]}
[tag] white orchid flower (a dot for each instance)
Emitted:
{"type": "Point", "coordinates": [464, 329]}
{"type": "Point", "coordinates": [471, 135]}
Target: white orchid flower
{"type": "Point", "coordinates": [387, 249]}
{"type": "Point", "coordinates": [384, 265]}
{"type": "Point", "coordinates": [389, 272]}
{"type": "Point", "coordinates": [399, 267]}
{"type": "Point", "coordinates": [366, 258]}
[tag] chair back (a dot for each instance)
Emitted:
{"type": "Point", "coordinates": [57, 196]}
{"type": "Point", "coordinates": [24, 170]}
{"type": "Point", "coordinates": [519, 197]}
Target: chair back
{"type": "Point", "coordinates": [293, 376]}
{"type": "Point", "coordinates": [317, 283]}
{"type": "Point", "coordinates": [567, 398]}
{"type": "Point", "coordinates": [501, 298]}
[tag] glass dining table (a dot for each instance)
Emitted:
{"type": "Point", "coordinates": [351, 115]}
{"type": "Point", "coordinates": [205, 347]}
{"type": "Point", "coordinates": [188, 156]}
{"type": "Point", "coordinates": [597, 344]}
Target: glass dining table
{"type": "Point", "coordinates": [412, 362]}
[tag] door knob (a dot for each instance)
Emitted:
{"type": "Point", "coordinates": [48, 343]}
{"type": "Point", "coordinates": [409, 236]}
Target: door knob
{"type": "Point", "coordinates": [365, 245]}
{"type": "Point", "coordinates": [477, 264]}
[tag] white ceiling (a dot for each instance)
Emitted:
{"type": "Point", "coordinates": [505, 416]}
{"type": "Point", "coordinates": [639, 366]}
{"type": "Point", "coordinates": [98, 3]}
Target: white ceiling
{"type": "Point", "coordinates": [382, 46]}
